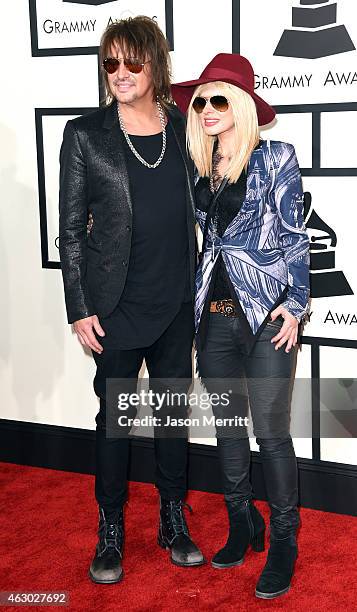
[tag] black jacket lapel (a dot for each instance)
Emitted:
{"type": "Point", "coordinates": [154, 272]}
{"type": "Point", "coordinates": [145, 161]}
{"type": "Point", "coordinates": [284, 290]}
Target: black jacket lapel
{"type": "Point", "coordinates": [114, 141]}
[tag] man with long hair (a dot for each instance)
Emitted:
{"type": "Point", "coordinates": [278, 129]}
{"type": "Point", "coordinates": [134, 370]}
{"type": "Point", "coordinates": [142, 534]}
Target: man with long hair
{"type": "Point", "coordinates": [128, 254]}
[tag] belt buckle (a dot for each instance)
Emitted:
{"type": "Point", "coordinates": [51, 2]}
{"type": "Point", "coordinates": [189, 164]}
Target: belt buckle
{"type": "Point", "coordinates": [226, 308]}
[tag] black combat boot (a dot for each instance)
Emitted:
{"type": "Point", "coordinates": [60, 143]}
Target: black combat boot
{"type": "Point", "coordinates": [246, 527]}
{"type": "Point", "coordinates": [279, 568]}
{"type": "Point", "coordinates": [106, 566]}
{"type": "Point", "coordinates": [174, 534]}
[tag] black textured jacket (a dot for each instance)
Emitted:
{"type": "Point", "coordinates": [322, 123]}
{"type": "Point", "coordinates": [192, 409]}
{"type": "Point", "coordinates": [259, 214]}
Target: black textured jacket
{"type": "Point", "coordinates": [94, 179]}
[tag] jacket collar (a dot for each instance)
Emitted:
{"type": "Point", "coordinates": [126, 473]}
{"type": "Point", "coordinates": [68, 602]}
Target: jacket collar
{"type": "Point", "coordinates": [110, 116]}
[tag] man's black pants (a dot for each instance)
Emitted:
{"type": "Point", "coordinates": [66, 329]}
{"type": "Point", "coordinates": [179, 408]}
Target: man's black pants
{"type": "Point", "coordinates": [169, 357]}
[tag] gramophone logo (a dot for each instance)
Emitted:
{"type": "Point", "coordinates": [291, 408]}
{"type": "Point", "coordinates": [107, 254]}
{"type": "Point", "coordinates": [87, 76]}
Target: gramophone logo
{"type": "Point", "coordinates": [325, 280]}
{"type": "Point", "coordinates": [315, 32]}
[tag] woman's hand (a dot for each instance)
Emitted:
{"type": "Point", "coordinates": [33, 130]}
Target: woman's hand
{"type": "Point", "coordinates": [289, 329]}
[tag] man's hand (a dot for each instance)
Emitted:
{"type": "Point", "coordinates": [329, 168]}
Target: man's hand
{"type": "Point", "coordinates": [84, 330]}
{"type": "Point", "coordinates": [289, 329]}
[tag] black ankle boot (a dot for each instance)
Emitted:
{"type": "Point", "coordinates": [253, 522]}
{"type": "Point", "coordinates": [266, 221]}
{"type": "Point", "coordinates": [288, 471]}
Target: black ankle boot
{"type": "Point", "coordinates": [174, 534]}
{"type": "Point", "coordinates": [106, 566]}
{"type": "Point", "coordinates": [279, 568]}
{"type": "Point", "coordinates": [246, 526]}
{"type": "Point", "coordinates": [278, 571]}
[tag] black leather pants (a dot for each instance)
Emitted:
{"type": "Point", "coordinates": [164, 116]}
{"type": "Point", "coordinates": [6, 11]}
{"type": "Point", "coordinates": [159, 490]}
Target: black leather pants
{"type": "Point", "coordinates": [262, 381]}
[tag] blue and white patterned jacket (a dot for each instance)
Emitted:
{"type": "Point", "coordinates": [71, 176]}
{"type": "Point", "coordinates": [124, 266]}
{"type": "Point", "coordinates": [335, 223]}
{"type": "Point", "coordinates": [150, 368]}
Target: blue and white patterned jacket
{"type": "Point", "coordinates": [265, 248]}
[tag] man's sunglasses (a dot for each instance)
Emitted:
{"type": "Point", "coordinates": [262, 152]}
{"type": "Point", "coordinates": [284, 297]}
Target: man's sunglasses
{"type": "Point", "coordinates": [111, 64]}
{"type": "Point", "coordinates": [219, 103]}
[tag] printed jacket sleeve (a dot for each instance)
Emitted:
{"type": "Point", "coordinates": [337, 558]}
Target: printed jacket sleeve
{"type": "Point", "coordinates": [293, 238]}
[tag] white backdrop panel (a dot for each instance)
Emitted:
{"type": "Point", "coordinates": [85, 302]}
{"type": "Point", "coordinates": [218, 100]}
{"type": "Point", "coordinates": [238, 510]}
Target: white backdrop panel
{"type": "Point", "coordinates": [295, 128]}
{"type": "Point", "coordinates": [52, 137]}
{"type": "Point", "coordinates": [296, 80]}
{"type": "Point", "coordinates": [334, 201]}
{"type": "Point", "coordinates": [338, 133]}
{"type": "Point", "coordinates": [63, 24]}
{"type": "Point", "coordinates": [201, 29]}
{"type": "Point", "coordinates": [339, 365]}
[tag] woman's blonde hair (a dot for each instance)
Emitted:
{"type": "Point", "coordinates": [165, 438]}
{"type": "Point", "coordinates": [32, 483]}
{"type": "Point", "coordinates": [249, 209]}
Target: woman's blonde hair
{"type": "Point", "coordinates": [246, 132]}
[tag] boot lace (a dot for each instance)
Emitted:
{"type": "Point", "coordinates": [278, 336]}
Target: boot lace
{"type": "Point", "coordinates": [177, 517]}
{"type": "Point", "coordinates": [111, 536]}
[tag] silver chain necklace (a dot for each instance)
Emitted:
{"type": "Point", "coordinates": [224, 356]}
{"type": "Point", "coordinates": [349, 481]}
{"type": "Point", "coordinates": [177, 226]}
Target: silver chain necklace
{"type": "Point", "coordinates": [131, 146]}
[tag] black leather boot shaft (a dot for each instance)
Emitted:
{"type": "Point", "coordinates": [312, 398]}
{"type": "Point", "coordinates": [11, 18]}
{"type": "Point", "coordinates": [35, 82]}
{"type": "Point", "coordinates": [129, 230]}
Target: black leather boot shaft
{"type": "Point", "coordinates": [281, 481]}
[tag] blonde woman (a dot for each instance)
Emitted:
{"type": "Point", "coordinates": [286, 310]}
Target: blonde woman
{"type": "Point", "coordinates": [252, 292]}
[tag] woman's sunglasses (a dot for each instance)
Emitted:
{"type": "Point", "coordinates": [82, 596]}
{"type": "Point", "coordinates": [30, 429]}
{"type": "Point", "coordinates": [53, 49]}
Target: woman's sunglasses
{"type": "Point", "coordinates": [111, 64]}
{"type": "Point", "coordinates": [219, 103]}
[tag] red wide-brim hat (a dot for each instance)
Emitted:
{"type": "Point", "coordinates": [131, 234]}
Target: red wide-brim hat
{"type": "Point", "coordinates": [230, 68]}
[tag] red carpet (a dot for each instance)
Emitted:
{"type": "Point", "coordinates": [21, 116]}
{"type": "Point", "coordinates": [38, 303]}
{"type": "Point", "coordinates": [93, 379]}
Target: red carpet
{"type": "Point", "coordinates": [48, 535]}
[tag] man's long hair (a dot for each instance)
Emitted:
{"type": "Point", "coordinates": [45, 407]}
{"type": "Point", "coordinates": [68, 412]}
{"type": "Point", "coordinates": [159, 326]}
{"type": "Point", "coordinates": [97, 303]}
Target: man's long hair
{"type": "Point", "coordinates": [141, 38]}
{"type": "Point", "coordinates": [246, 132]}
